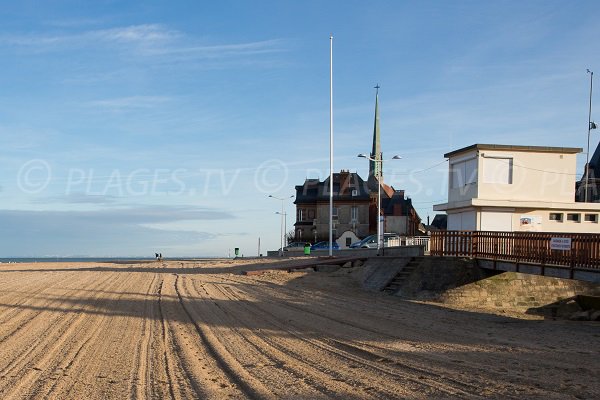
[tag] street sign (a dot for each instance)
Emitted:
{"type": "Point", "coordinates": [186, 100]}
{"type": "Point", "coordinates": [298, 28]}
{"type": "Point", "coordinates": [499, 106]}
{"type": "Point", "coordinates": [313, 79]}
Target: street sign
{"type": "Point", "coordinates": [560, 243]}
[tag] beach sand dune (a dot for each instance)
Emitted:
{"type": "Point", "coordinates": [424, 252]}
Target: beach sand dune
{"type": "Point", "coordinates": [200, 329]}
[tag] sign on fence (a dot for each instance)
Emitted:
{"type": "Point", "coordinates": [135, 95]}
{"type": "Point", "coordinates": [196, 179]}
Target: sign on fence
{"type": "Point", "coordinates": [560, 243]}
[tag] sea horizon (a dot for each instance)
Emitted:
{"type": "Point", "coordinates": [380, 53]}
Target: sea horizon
{"type": "Point", "coordinates": [8, 260]}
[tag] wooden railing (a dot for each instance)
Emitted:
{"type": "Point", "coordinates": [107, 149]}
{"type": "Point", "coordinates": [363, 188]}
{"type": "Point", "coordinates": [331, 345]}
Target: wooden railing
{"type": "Point", "coordinates": [526, 247]}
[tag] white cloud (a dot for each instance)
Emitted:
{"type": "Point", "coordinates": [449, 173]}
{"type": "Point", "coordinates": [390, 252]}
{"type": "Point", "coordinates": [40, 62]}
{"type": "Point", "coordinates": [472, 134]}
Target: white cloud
{"type": "Point", "coordinates": [128, 102]}
{"type": "Point", "coordinates": [146, 40]}
{"type": "Point", "coordinates": [145, 34]}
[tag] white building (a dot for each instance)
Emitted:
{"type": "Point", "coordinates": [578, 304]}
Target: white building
{"type": "Point", "coordinates": [516, 188]}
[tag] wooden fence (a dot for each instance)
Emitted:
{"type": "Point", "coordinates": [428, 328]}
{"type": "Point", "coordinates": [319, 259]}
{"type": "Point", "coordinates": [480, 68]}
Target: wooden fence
{"type": "Point", "coordinates": [526, 247]}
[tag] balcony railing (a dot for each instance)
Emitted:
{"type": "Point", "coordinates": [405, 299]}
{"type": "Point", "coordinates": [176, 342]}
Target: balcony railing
{"type": "Point", "coordinates": [521, 247]}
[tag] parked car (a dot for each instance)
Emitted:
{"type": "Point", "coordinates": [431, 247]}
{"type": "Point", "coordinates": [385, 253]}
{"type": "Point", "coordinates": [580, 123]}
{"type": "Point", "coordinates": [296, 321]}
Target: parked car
{"type": "Point", "coordinates": [295, 246]}
{"type": "Point", "coordinates": [360, 243]}
{"type": "Point", "coordinates": [370, 242]}
{"type": "Point", "coordinates": [324, 246]}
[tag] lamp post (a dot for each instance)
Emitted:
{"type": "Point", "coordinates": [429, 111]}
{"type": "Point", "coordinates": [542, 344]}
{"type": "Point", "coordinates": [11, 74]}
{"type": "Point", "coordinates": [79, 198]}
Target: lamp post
{"type": "Point", "coordinates": [331, 146]}
{"type": "Point", "coordinates": [284, 214]}
{"type": "Point", "coordinates": [380, 161]}
{"type": "Point", "coordinates": [282, 199]}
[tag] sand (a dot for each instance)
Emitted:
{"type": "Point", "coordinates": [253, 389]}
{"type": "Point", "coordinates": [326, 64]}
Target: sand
{"type": "Point", "coordinates": [188, 330]}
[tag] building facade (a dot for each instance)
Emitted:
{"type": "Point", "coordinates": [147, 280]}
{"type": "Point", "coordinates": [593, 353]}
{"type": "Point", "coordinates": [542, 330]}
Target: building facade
{"type": "Point", "coordinates": [354, 209]}
{"type": "Point", "coordinates": [516, 188]}
{"type": "Point", "coordinates": [350, 207]}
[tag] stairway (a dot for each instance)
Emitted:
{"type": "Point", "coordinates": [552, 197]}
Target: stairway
{"type": "Point", "coordinates": [396, 283]}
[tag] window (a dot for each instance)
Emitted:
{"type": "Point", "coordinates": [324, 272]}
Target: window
{"type": "Point", "coordinates": [334, 213]}
{"type": "Point", "coordinates": [574, 217]}
{"type": "Point", "coordinates": [463, 173]}
{"type": "Point", "coordinates": [299, 234]}
{"type": "Point", "coordinates": [498, 170]}
{"type": "Point", "coordinates": [300, 216]}
{"type": "Point", "coordinates": [311, 214]}
{"type": "Point", "coordinates": [556, 217]}
{"type": "Point", "coordinates": [354, 214]}
{"type": "Point", "coordinates": [591, 218]}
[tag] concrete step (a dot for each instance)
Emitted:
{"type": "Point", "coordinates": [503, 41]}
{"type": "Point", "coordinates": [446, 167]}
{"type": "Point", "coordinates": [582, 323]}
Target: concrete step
{"type": "Point", "coordinates": [396, 283]}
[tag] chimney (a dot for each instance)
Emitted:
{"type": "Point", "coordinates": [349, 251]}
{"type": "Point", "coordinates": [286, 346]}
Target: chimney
{"type": "Point", "coordinates": [344, 181]}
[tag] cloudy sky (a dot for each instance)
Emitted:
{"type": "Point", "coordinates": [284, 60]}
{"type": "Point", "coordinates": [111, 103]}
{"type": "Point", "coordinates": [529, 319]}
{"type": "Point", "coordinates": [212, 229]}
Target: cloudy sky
{"type": "Point", "coordinates": [133, 127]}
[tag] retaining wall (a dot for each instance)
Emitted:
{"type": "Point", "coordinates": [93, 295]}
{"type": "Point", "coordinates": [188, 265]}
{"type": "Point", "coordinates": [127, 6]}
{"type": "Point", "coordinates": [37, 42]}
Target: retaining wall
{"type": "Point", "coordinates": [463, 282]}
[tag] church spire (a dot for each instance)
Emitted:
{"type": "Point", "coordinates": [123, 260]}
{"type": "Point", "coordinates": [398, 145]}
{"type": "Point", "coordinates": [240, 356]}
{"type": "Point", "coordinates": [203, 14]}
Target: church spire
{"type": "Point", "coordinates": [374, 166]}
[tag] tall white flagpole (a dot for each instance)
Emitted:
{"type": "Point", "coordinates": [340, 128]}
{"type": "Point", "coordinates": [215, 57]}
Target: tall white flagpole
{"type": "Point", "coordinates": [587, 161]}
{"type": "Point", "coordinates": [330, 145]}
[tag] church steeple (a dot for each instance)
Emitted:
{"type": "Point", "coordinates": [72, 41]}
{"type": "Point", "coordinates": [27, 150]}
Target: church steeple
{"type": "Point", "coordinates": [374, 166]}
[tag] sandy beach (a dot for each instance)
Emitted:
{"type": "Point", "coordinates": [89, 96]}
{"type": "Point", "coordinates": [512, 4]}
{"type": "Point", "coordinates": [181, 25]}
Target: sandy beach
{"type": "Point", "coordinates": [200, 329]}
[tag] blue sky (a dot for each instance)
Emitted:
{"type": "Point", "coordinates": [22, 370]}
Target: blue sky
{"type": "Point", "coordinates": [134, 127]}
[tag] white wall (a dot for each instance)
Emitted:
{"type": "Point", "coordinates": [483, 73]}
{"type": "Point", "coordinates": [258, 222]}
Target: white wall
{"type": "Point", "coordinates": [496, 221]}
{"type": "Point", "coordinates": [462, 221]}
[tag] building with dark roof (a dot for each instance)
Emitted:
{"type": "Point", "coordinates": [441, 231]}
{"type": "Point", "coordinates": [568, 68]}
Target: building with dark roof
{"type": "Point", "coordinates": [354, 208]}
{"type": "Point", "coordinates": [351, 201]}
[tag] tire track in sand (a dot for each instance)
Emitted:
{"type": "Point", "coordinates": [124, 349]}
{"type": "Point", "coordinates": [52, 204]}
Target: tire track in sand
{"type": "Point", "coordinates": [421, 379]}
{"type": "Point", "coordinates": [36, 363]}
{"type": "Point", "coordinates": [248, 385]}
{"type": "Point", "coordinates": [284, 376]}
{"type": "Point", "coordinates": [165, 339]}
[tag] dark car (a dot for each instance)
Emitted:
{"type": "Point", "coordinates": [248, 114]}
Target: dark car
{"type": "Point", "coordinates": [324, 246]}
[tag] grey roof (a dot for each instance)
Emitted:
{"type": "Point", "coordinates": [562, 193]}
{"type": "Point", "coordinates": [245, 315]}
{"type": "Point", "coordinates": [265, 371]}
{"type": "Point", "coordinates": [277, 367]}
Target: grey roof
{"type": "Point", "coordinates": [505, 147]}
{"type": "Point", "coordinates": [344, 184]}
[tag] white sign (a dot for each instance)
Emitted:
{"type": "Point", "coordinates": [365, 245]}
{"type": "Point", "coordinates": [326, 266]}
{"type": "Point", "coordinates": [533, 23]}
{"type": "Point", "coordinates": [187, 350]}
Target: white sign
{"type": "Point", "coordinates": [560, 243]}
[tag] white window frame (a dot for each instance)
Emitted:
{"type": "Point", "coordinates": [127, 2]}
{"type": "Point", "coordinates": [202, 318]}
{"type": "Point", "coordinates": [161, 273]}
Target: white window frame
{"type": "Point", "coordinates": [354, 214]}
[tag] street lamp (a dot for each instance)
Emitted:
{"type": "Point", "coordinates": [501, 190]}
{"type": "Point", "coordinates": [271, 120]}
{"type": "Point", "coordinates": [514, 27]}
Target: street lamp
{"type": "Point", "coordinates": [284, 214]}
{"type": "Point", "coordinates": [282, 199]}
{"type": "Point", "coordinates": [380, 161]}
